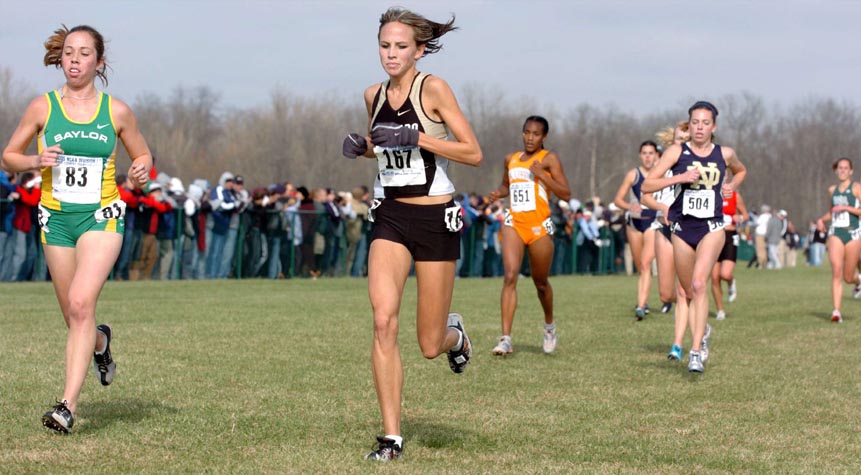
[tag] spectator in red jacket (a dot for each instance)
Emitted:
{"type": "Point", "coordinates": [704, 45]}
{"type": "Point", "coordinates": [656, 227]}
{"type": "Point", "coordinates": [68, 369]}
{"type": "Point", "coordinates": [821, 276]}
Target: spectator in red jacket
{"type": "Point", "coordinates": [150, 205]}
{"type": "Point", "coordinates": [23, 230]}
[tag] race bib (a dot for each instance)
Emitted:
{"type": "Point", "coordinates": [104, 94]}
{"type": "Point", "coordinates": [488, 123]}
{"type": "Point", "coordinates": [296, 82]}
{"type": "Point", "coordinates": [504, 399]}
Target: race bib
{"type": "Point", "coordinates": [508, 220]}
{"type": "Point", "coordinates": [115, 210]}
{"type": "Point", "coordinates": [77, 180]}
{"type": "Point", "coordinates": [374, 205]}
{"type": "Point", "coordinates": [43, 216]}
{"type": "Point", "coordinates": [402, 166]}
{"type": "Point", "coordinates": [840, 220]}
{"type": "Point", "coordinates": [699, 203]}
{"type": "Point", "coordinates": [522, 196]}
{"type": "Point", "coordinates": [549, 226]}
{"type": "Point", "coordinates": [453, 218]}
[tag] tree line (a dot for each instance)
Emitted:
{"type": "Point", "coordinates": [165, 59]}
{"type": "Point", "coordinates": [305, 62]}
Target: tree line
{"type": "Point", "coordinates": [788, 149]}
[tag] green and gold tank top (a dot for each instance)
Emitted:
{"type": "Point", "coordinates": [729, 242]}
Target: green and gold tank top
{"type": "Point", "coordinates": [84, 178]}
{"type": "Point", "coordinates": [844, 219]}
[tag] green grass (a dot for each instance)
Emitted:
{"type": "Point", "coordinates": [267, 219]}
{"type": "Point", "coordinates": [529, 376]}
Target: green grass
{"type": "Point", "coordinates": [274, 377]}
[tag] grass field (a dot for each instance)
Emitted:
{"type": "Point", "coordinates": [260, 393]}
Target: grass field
{"type": "Point", "coordinates": [274, 377]}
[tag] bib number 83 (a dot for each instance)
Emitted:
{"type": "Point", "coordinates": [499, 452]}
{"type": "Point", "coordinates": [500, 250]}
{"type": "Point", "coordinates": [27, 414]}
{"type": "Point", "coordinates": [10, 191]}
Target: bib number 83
{"type": "Point", "coordinates": [79, 180]}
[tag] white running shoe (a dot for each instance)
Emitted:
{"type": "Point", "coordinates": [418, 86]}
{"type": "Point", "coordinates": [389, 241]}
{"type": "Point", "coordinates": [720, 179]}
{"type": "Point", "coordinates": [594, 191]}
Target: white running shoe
{"type": "Point", "coordinates": [732, 293]}
{"type": "Point", "coordinates": [836, 317]}
{"type": "Point", "coordinates": [721, 315]}
{"type": "Point", "coordinates": [549, 341]}
{"type": "Point", "coordinates": [695, 363]}
{"type": "Point", "coordinates": [857, 292]}
{"type": "Point", "coordinates": [503, 347]}
{"type": "Point", "coordinates": [704, 351]}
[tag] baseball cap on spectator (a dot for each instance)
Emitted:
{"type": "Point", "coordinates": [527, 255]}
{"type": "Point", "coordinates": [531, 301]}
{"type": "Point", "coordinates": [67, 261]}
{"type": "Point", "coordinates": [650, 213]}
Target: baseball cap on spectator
{"type": "Point", "coordinates": [152, 186]}
{"type": "Point", "coordinates": [239, 180]}
{"type": "Point", "coordinates": [782, 213]}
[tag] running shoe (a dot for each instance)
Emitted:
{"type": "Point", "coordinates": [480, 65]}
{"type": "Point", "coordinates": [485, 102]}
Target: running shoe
{"type": "Point", "coordinates": [387, 450]}
{"type": "Point", "coordinates": [675, 353]}
{"type": "Point", "coordinates": [639, 313]}
{"type": "Point", "coordinates": [504, 346]}
{"type": "Point", "coordinates": [549, 341]}
{"type": "Point", "coordinates": [704, 351]}
{"type": "Point", "coordinates": [646, 309]}
{"type": "Point", "coordinates": [59, 418]}
{"type": "Point", "coordinates": [732, 293]}
{"type": "Point", "coordinates": [103, 363]}
{"type": "Point", "coordinates": [695, 363]}
{"type": "Point", "coordinates": [857, 292]}
{"type": "Point", "coordinates": [666, 307]}
{"type": "Point", "coordinates": [836, 317]}
{"type": "Point", "coordinates": [458, 360]}
{"type": "Point", "coordinates": [721, 315]}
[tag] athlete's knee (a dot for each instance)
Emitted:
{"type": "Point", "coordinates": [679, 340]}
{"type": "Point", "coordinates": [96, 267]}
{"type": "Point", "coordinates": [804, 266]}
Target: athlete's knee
{"type": "Point", "coordinates": [386, 328]}
{"type": "Point", "coordinates": [698, 287]}
{"type": "Point", "coordinates": [510, 277]}
{"type": "Point", "coordinates": [667, 295]}
{"type": "Point", "coordinates": [850, 276]}
{"type": "Point", "coordinates": [431, 346]}
{"type": "Point", "coordinates": [542, 286]}
{"type": "Point", "coordinates": [81, 308]}
{"type": "Point", "coordinates": [727, 276]}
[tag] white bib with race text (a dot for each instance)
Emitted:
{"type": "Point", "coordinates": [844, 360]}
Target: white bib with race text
{"type": "Point", "coordinates": [402, 166]}
{"type": "Point", "coordinates": [840, 220]}
{"type": "Point", "coordinates": [522, 196]}
{"type": "Point", "coordinates": [699, 203]}
{"type": "Point", "coordinates": [77, 180]}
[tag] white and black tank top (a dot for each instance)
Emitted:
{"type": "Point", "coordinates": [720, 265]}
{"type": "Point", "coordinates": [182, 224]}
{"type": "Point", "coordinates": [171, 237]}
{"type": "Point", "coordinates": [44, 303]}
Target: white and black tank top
{"type": "Point", "coordinates": [409, 171]}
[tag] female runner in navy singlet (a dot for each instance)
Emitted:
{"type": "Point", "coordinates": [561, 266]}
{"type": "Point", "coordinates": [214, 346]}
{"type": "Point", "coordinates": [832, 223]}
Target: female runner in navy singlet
{"type": "Point", "coordinates": [699, 173]}
{"type": "Point", "coordinates": [415, 218]}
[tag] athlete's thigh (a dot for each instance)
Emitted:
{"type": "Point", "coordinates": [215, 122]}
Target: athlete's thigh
{"type": "Point", "coordinates": [706, 254]}
{"type": "Point", "coordinates": [684, 256]}
{"type": "Point", "coordinates": [727, 267]}
{"type": "Point", "coordinates": [835, 254]}
{"type": "Point", "coordinates": [61, 263]}
{"type": "Point", "coordinates": [664, 254]}
{"type": "Point", "coordinates": [388, 267]}
{"type": "Point", "coordinates": [96, 253]}
{"type": "Point", "coordinates": [647, 253]}
{"type": "Point", "coordinates": [635, 239]}
{"type": "Point", "coordinates": [512, 250]}
{"type": "Point", "coordinates": [850, 253]}
{"type": "Point", "coordinates": [435, 282]}
{"type": "Point", "coordinates": [541, 257]}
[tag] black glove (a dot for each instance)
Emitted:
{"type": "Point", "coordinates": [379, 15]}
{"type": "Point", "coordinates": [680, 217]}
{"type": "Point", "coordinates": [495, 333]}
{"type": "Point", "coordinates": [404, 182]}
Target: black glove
{"type": "Point", "coordinates": [354, 145]}
{"type": "Point", "coordinates": [389, 135]}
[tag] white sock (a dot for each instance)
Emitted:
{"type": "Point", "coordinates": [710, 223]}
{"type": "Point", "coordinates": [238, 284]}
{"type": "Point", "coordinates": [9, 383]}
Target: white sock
{"type": "Point", "coordinates": [550, 326]}
{"type": "Point", "coordinates": [459, 345]}
{"type": "Point", "coordinates": [399, 441]}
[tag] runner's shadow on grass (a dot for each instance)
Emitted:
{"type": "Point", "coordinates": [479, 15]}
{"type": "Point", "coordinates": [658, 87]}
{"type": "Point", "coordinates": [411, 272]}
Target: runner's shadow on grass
{"type": "Point", "coordinates": [435, 435]}
{"type": "Point", "coordinates": [822, 316]}
{"type": "Point", "coordinates": [101, 415]}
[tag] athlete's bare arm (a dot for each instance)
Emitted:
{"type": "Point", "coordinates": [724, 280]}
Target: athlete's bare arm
{"type": "Point", "coordinates": [440, 103]}
{"type": "Point", "coordinates": [503, 189]}
{"type": "Point", "coordinates": [14, 158]}
{"type": "Point", "coordinates": [623, 190]}
{"type": "Point", "coordinates": [133, 141]}
{"type": "Point", "coordinates": [549, 171]}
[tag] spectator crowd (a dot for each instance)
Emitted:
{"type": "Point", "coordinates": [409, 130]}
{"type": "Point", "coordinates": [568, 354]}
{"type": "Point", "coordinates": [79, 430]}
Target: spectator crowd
{"type": "Point", "coordinates": [224, 229]}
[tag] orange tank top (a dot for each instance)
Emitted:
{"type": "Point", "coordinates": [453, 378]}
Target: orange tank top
{"type": "Point", "coordinates": [528, 198]}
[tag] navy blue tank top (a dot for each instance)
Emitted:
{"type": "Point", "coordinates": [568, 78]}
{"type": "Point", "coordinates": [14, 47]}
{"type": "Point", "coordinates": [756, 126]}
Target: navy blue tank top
{"type": "Point", "coordinates": [647, 213]}
{"type": "Point", "coordinates": [702, 199]}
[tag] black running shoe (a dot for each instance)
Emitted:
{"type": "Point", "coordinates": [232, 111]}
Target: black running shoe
{"type": "Point", "coordinates": [646, 309]}
{"type": "Point", "coordinates": [458, 360]}
{"type": "Point", "coordinates": [387, 450]}
{"type": "Point", "coordinates": [59, 418]}
{"type": "Point", "coordinates": [666, 307]}
{"type": "Point", "coordinates": [103, 363]}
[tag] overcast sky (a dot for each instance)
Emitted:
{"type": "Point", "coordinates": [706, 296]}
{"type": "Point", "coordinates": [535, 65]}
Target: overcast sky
{"type": "Point", "coordinates": [639, 55]}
